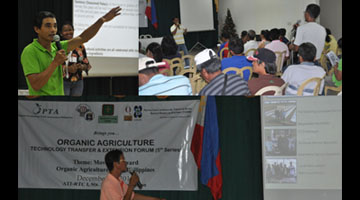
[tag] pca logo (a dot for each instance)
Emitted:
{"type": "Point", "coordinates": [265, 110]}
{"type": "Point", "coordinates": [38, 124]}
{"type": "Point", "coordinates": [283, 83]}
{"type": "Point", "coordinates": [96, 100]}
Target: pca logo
{"type": "Point", "coordinates": [138, 111]}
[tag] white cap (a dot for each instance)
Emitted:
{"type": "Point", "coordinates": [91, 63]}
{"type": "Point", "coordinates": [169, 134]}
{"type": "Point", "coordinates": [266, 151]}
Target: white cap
{"type": "Point", "coordinates": [147, 62]}
{"type": "Point", "coordinates": [204, 56]}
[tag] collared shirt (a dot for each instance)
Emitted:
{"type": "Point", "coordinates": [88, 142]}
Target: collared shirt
{"type": "Point", "coordinates": [166, 85]}
{"type": "Point", "coordinates": [295, 75]}
{"type": "Point", "coordinates": [113, 188]}
{"type": "Point", "coordinates": [256, 84]}
{"type": "Point", "coordinates": [235, 86]}
{"type": "Point", "coordinates": [36, 59]}
{"type": "Point", "coordinates": [278, 46]}
{"type": "Point", "coordinates": [313, 33]}
{"type": "Point", "coordinates": [239, 62]}
{"type": "Point", "coordinates": [179, 35]}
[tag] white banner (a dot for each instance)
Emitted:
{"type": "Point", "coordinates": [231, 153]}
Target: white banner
{"type": "Point", "coordinates": [63, 144]}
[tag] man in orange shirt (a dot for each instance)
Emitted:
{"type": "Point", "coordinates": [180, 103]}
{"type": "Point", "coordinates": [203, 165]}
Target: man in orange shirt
{"type": "Point", "coordinates": [113, 187]}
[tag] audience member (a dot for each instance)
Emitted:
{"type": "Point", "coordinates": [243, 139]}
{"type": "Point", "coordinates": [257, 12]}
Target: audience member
{"type": "Point", "coordinates": [251, 44]}
{"type": "Point", "coordinates": [153, 50]}
{"type": "Point", "coordinates": [330, 42]}
{"type": "Point", "coordinates": [264, 35]}
{"type": "Point", "coordinates": [225, 37]}
{"type": "Point", "coordinates": [209, 67]}
{"type": "Point", "coordinates": [238, 59]}
{"type": "Point", "coordinates": [310, 32]}
{"type": "Point", "coordinates": [335, 79]}
{"type": "Point", "coordinates": [277, 46]}
{"type": "Point", "coordinates": [283, 38]}
{"type": "Point", "coordinates": [244, 36]}
{"type": "Point", "coordinates": [169, 48]}
{"type": "Point", "coordinates": [295, 75]}
{"type": "Point", "coordinates": [264, 65]}
{"type": "Point", "coordinates": [151, 82]}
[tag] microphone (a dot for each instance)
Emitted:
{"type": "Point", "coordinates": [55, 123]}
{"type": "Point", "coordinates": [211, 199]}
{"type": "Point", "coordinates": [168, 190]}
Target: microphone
{"type": "Point", "coordinates": [138, 183]}
{"type": "Point", "coordinates": [56, 39]}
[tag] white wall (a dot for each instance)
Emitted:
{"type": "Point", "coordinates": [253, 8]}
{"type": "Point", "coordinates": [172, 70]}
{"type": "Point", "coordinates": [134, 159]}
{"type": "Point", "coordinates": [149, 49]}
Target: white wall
{"type": "Point", "coordinates": [263, 14]}
{"type": "Point", "coordinates": [331, 16]}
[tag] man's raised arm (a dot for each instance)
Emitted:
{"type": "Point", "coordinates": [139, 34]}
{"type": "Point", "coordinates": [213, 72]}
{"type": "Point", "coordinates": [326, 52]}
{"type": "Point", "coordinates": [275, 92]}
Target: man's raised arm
{"type": "Point", "coordinates": [93, 29]}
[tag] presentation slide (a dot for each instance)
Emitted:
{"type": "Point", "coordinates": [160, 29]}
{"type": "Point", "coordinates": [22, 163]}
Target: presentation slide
{"type": "Point", "coordinates": [190, 17]}
{"type": "Point", "coordinates": [302, 147]}
{"type": "Point", "coordinates": [114, 49]}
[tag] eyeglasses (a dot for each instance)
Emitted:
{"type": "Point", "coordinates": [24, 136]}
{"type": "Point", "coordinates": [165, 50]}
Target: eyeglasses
{"type": "Point", "coordinates": [121, 160]}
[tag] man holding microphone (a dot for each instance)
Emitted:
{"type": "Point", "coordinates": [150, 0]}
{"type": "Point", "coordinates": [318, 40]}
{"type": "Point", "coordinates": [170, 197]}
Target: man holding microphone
{"type": "Point", "coordinates": [42, 59]}
{"type": "Point", "coordinates": [178, 33]}
{"type": "Point", "coordinates": [113, 187]}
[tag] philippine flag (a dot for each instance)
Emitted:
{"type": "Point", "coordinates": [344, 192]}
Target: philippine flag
{"type": "Point", "coordinates": [205, 146]}
{"type": "Point", "coordinates": [150, 13]}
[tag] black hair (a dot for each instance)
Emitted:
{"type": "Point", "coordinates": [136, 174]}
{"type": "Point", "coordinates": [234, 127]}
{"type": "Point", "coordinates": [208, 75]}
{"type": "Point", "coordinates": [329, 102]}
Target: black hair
{"type": "Point", "coordinates": [270, 68]}
{"type": "Point", "coordinates": [66, 23]}
{"type": "Point", "coordinates": [251, 34]}
{"type": "Point", "coordinates": [282, 32]}
{"type": "Point", "coordinates": [307, 51]}
{"type": "Point", "coordinates": [225, 35]}
{"type": "Point", "coordinates": [236, 45]}
{"type": "Point", "coordinates": [313, 10]}
{"type": "Point", "coordinates": [155, 49]}
{"type": "Point", "coordinates": [265, 33]}
{"type": "Point", "coordinates": [274, 34]}
{"type": "Point", "coordinates": [111, 157]}
{"type": "Point", "coordinates": [40, 16]}
{"type": "Point", "coordinates": [168, 46]}
{"type": "Point", "coordinates": [328, 33]}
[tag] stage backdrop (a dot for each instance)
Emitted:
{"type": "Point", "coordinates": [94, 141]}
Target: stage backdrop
{"type": "Point", "coordinates": [62, 144]}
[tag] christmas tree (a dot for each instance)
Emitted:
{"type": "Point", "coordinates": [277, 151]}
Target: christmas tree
{"type": "Point", "coordinates": [229, 26]}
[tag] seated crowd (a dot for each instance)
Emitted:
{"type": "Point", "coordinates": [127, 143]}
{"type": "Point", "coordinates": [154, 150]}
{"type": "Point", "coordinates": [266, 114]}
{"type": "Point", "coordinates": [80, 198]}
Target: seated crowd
{"type": "Point", "coordinates": [245, 66]}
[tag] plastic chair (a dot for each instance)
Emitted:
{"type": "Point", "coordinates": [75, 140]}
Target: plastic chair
{"type": "Point", "coordinates": [221, 52]}
{"type": "Point", "coordinates": [278, 90]}
{"type": "Point", "coordinates": [248, 51]}
{"type": "Point", "coordinates": [280, 56]}
{"type": "Point", "coordinates": [316, 89]}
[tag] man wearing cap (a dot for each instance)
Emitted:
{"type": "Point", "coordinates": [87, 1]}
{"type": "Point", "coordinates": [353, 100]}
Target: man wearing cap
{"type": "Point", "coordinates": [209, 67]}
{"type": "Point", "coordinates": [151, 82]}
{"type": "Point", "coordinates": [264, 64]}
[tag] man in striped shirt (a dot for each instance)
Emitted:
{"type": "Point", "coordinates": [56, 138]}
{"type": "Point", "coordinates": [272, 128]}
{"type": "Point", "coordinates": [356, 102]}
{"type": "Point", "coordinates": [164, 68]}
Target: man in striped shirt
{"type": "Point", "coordinates": [178, 32]}
{"type": "Point", "coordinates": [151, 82]}
{"type": "Point", "coordinates": [218, 83]}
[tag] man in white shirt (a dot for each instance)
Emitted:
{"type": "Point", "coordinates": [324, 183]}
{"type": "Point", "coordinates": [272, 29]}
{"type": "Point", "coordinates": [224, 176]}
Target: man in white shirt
{"type": "Point", "coordinates": [178, 32]}
{"type": "Point", "coordinates": [311, 31]}
{"type": "Point", "coordinates": [251, 44]}
{"type": "Point", "coordinates": [295, 75]}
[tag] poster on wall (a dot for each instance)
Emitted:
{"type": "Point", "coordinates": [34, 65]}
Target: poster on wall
{"type": "Point", "coordinates": [62, 144]}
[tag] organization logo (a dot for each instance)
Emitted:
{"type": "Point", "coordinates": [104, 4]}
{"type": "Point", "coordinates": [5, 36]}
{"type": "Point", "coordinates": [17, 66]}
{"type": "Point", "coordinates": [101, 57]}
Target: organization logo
{"type": "Point", "coordinates": [138, 111]}
{"type": "Point", "coordinates": [108, 114]}
{"type": "Point", "coordinates": [127, 116]}
{"type": "Point", "coordinates": [85, 111]}
{"type": "Point", "coordinates": [44, 110]}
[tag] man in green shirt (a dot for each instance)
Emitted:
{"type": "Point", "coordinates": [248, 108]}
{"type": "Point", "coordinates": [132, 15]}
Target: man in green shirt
{"type": "Point", "coordinates": [41, 60]}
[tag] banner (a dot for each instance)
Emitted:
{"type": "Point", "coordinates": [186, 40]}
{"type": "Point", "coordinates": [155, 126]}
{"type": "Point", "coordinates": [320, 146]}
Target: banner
{"type": "Point", "coordinates": [62, 144]}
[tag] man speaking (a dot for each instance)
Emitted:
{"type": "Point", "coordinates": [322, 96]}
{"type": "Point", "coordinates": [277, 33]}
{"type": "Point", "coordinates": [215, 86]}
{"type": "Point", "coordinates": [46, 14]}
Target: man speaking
{"type": "Point", "coordinates": [42, 59]}
{"type": "Point", "coordinates": [113, 187]}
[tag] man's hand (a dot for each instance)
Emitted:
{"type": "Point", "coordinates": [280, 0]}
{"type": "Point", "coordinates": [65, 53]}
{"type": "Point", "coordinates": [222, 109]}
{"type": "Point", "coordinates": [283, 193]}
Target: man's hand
{"type": "Point", "coordinates": [60, 57]}
{"type": "Point", "coordinates": [111, 14]}
{"type": "Point", "coordinates": [134, 179]}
